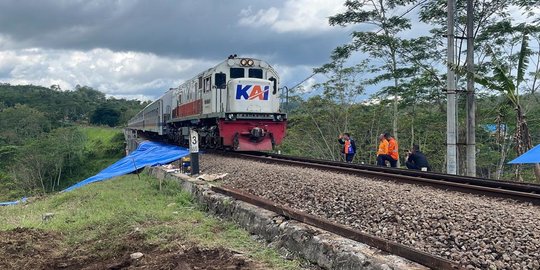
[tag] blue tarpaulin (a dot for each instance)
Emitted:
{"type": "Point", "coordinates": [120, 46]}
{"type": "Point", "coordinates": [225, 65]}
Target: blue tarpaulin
{"type": "Point", "coordinates": [147, 154]}
{"type": "Point", "coordinates": [531, 156]}
{"type": "Point", "coordinates": [13, 202]}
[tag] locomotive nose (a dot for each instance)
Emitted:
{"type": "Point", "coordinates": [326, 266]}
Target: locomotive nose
{"type": "Point", "coordinates": [257, 132]}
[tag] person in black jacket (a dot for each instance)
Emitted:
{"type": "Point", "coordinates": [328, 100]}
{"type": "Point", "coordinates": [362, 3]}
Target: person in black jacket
{"type": "Point", "coordinates": [416, 160]}
{"type": "Point", "coordinates": [349, 146]}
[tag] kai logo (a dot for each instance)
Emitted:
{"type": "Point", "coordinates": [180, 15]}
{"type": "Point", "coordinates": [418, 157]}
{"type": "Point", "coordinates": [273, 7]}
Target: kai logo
{"type": "Point", "coordinates": [252, 92]}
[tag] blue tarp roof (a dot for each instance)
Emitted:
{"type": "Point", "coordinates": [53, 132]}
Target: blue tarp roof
{"type": "Point", "coordinates": [531, 156]}
{"type": "Point", "coordinates": [147, 154]}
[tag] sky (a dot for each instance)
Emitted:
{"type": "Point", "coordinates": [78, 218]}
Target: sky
{"type": "Point", "coordinates": [139, 49]}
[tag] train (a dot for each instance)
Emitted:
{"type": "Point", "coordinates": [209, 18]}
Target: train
{"type": "Point", "coordinates": [234, 105]}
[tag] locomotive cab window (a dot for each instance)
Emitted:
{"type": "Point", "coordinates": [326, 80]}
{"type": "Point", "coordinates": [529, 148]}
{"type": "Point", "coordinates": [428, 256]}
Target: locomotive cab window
{"type": "Point", "coordinates": [220, 80]}
{"type": "Point", "coordinates": [237, 73]}
{"type": "Point", "coordinates": [255, 73]}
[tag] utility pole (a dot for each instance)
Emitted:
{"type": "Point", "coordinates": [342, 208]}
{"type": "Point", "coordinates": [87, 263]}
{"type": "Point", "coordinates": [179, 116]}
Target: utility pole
{"type": "Point", "coordinates": [471, 103]}
{"type": "Point", "coordinates": [451, 149]}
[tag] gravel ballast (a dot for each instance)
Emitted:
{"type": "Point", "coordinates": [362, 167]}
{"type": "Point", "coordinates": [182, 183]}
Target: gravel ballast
{"type": "Point", "coordinates": [475, 231]}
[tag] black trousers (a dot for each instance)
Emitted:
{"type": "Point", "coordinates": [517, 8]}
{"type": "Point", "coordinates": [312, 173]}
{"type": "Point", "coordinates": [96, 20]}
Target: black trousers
{"type": "Point", "coordinates": [349, 157]}
{"type": "Point", "coordinates": [381, 161]}
{"type": "Point", "coordinates": [411, 166]}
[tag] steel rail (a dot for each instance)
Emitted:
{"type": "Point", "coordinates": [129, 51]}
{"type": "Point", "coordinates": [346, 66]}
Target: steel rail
{"type": "Point", "coordinates": [412, 254]}
{"type": "Point", "coordinates": [499, 189]}
{"type": "Point", "coordinates": [509, 185]}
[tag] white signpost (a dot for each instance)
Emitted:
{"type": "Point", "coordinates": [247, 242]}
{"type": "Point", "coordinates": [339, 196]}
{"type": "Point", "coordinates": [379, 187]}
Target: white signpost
{"type": "Point", "coordinates": [193, 141]}
{"type": "Point", "coordinates": [194, 151]}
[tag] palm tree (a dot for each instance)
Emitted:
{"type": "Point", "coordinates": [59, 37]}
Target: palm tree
{"type": "Point", "coordinates": [503, 81]}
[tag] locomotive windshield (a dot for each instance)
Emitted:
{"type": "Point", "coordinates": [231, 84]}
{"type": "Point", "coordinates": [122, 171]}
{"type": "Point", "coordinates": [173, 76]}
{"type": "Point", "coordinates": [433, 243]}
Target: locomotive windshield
{"type": "Point", "coordinates": [255, 73]}
{"type": "Point", "coordinates": [237, 73]}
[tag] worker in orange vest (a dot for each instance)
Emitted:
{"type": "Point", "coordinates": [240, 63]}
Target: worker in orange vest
{"type": "Point", "coordinates": [382, 152]}
{"type": "Point", "coordinates": [393, 154]}
{"type": "Point", "coordinates": [349, 147]}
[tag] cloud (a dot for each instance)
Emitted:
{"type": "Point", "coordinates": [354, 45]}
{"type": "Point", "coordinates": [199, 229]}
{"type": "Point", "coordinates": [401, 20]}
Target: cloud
{"type": "Point", "coordinates": [182, 29]}
{"type": "Point", "coordinates": [295, 16]}
{"type": "Point", "coordinates": [131, 75]}
{"type": "Point", "coordinates": [136, 48]}
{"type": "Point", "coordinates": [118, 74]}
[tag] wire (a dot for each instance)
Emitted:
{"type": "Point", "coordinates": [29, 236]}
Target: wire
{"type": "Point", "coordinates": [304, 80]}
{"type": "Point", "coordinates": [406, 12]}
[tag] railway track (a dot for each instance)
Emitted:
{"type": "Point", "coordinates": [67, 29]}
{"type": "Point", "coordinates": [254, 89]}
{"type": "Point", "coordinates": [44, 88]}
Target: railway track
{"type": "Point", "coordinates": [524, 192]}
{"type": "Point", "coordinates": [426, 259]}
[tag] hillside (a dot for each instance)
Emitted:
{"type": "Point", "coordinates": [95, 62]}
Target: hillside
{"type": "Point", "coordinates": [57, 160]}
{"type": "Point", "coordinates": [99, 226]}
{"type": "Point", "coordinates": [50, 138]}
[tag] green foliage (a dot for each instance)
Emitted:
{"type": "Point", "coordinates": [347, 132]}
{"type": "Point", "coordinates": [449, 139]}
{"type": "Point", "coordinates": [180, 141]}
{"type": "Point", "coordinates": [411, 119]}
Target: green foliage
{"type": "Point", "coordinates": [67, 106]}
{"type": "Point", "coordinates": [20, 123]}
{"type": "Point", "coordinates": [57, 159]}
{"type": "Point", "coordinates": [105, 115]}
{"type": "Point", "coordinates": [44, 164]}
{"type": "Point", "coordinates": [313, 128]}
{"type": "Point", "coordinates": [103, 214]}
{"type": "Point", "coordinates": [412, 71]}
{"type": "Point", "coordinates": [41, 147]}
{"type": "Point", "coordinates": [102, 147]}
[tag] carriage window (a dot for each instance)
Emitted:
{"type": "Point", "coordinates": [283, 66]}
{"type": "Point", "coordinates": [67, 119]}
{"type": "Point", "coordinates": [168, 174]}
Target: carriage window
{"type": "Point", "coordinates": [255, 73]}
{"type": "Point", "coordinates": [237, 73]}
{"type": "Point", "coordinates": [220, 80]}
{"type": "Point", "coordinates": [200, 82]}
{"type": "Point", "coordinates": [207, 84]}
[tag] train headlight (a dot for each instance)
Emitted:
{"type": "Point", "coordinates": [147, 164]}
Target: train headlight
{"type": "Point", "coordinates": [279, 117]}
{"type": "Point", "coordinates": [246, 62]}
{"type": "Point", "coordinates": [231, 116]}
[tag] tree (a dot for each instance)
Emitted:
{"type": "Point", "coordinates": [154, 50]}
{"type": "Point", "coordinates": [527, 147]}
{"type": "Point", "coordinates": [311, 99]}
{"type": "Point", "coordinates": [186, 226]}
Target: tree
{"type": "Point", "coordinates": [20, 123]}
{"type": "Point", "coordinates": [342, 87]}
{"type": "Point", "coordinates": [43, 165]}
{"type": "Point", "coordinates": [503, 81]}
{"type": "Point", "coordinates": [105, 115]}
{"type": "Point", "coordinates": [381, 45]}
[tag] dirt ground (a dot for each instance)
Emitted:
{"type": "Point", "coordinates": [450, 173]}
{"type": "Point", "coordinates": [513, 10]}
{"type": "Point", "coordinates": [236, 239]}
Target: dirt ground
{"type": "Point", "coordinates": [24, 248]}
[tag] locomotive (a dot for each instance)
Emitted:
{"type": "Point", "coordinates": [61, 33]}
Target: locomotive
{"type": "Point", "coordinates": [233, 105]}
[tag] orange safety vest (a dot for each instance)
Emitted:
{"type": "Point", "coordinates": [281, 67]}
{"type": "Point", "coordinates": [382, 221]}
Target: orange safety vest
{"type": "Point", "coordinates": [383, 148]}
{"type": "Point", "coordinates": [347, 146]}
{"type": "Point", "coordinates": [393, 148]}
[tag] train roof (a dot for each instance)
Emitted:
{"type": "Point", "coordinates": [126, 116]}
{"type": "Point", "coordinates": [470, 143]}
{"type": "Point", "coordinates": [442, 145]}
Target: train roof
{"type": "Point", "coordinates": [261, 63]}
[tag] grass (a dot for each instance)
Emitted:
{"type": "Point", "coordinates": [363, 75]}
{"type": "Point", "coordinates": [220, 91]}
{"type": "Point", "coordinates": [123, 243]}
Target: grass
{"type": "Point", "coordinates": [102, 214]}
{"type": "Point", "coordinates": [103, 146]}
